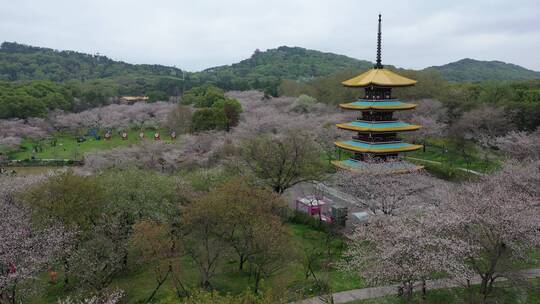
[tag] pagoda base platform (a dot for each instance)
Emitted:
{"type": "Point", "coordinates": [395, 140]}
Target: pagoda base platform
{"type": "Point", "coordinates": [358, 166]}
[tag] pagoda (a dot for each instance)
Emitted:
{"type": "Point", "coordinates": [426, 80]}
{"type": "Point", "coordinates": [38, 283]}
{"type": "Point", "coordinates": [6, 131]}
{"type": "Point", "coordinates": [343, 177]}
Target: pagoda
{"type": "Point", "coordinates": [377, 131]}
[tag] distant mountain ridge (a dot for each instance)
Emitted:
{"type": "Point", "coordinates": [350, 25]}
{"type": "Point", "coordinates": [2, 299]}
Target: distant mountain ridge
{"type": "Point", "coordinates": [292, 63]}
{"type": "Point", "coordinates": [25, 62]}
{"type": "Point", "coordinates": [471, 70]}
{"type": "Point", "coordinates": [262, 69]}
{"type": "Point", "coordinates": [265, 69]}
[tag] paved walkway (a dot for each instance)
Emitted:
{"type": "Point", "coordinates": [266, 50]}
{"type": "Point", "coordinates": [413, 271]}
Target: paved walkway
{"type": "Point", "coordinates": [377, 292]}
{"type": "Point", "coordinates": [439, 163]}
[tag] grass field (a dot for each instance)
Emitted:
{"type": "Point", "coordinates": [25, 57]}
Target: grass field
{"type": "Point", "coordinates": [67, 146]}
{"type": "Point", "coordinates": [138, 281]}
{"type": "Point", "coordinates": [446, 152]}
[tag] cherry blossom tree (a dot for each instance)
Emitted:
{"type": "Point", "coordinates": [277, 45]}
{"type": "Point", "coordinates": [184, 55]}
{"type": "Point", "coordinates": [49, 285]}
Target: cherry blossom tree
{"type": "Point", "coordinates": [389, 193]}
{"type": "Point", "coordinates": [115, 116]}
{"type": "Point", "coordinates": [481, 228]}
{"type": "Point", "coordinates": [520, 145]}
{"type": "Point", "coordinates": [20, 129]}
{"type": "Point", "coordinates": [108, 297]}
{"type": "Point", "coordinates": [274, 116]}
{"type": "Point", "coordinates": [25, 249]}
{"type": "Point", "coordinates": [179, 119]}
{"type": "Point", "coordinates": [189, 150]}
{"type": "Point", "coordinates": [497, 220]}
{"type": "Point", "coordinates": [402, 250]}
{"type": "Point", "coordinates": [10, 142]}
{"type": "Point", "coordinates": [483, 122]}
{"type": "Point", "coordinates": [326, 138]}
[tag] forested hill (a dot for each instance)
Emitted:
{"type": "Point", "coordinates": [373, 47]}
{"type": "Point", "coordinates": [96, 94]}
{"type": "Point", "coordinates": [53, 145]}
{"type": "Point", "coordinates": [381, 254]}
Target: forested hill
{"type": "Point", "coordinates": [24, 62]}
{"type": "Point", "coordinates": [265, 67]}
{"type": "Point", "coordinates": [470, 70]}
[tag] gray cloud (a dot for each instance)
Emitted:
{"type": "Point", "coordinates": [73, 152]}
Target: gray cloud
{"type": "Point", "coordinates": [204, 33]}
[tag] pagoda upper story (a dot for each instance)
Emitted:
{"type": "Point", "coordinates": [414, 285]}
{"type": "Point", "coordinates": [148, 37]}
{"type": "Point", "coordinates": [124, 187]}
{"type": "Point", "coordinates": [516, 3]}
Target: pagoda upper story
{"type": "Point", "coordinates": [377, 130]}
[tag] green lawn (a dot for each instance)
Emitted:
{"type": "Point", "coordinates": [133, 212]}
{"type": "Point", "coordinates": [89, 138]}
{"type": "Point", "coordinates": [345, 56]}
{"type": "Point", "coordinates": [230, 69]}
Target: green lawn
{"type": "Point", "coordinates": [448, 153]}
{"type": "Point", "coordinates": [139, 280]}
{"type": "Point", "coordinates": [67, 146]}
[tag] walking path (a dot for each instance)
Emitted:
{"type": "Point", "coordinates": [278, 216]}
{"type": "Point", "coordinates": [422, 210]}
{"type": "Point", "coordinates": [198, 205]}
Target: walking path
{"type": "Point", "coordinates": [439, 163]}
{"type": "Point", "coordinates": [377, 292]}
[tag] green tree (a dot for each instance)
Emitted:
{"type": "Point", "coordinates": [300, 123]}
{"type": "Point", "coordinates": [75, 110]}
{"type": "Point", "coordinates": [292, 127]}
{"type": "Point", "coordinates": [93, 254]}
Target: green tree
{"type": "Point", "coordinates": [304, 104]}
{"type": "Point", "coordinates": [203, 236]}
{"type": "Point", "coordinates": [249, 209]}
{"type": "Point", "coordinates": [76, 202]}
{"type": "Point", "coordinates": [154, 96]}
{"type": "Point", "coordinates": [283, 161]}
{"type": "Point", "coordinates": [206, 119]}
{"type": "Point", "coordinates": [203, 96]}
{"type": "Point", "coordinates": [231, 109]}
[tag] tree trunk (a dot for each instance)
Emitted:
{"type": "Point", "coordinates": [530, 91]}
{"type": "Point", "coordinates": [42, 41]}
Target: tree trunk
{"type": "Point", "coordinates": [125, 259]}
{"type": "Point", "coordinates": [424, 291]}
{"type": "Point", "coordinates": [241, 263]}
{"type": "Point", "coordinates": [66, 272]}
{"type": "Point", "coordinates": [257, 281]}
{"type": "Point", "coordinates": [205, 282]}
{"type": "Point", "coordinates": [408, 292]}
{"type": "Point", "coordinates": [14, 294]}
{"type": "Point", "coordinates": [483, 288]}
{"type": "Point", "coordinates": [160, 282]}
{"type": "Point", "coordinates": [278, 189]}
{"type": "Point", "coordinates": [400, 291]}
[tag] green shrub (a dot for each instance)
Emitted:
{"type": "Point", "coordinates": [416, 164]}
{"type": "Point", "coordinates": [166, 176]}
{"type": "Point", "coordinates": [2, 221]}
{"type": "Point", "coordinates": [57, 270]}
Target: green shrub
{"type": "Point", "coordinates": [299, 217]}
{"type": "Point", "coordinates": [206, 119]}
{"type": "Point", "coordinates": [304, 104]}
{"type": "Point", "coordinates": [154, 96]}
{"type": "Point", "coordinates": [203, 96]}
{"type": "Point", "coordinates": [232, 109]}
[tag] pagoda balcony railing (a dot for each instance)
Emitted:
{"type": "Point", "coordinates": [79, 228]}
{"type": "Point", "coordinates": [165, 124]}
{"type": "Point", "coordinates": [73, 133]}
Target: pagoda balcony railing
{"type": "Point", "coordinates": [377, 121]}
{"type": "Point", "coordinates": [355, 138]}
{"type": "Point", "coordinates": [376, 141]}
{"type": "Point", "coordinates": [377, 99]}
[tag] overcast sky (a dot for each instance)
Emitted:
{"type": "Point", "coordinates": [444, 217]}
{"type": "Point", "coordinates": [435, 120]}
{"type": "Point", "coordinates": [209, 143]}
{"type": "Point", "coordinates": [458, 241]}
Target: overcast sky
{"type": "Point", "coordinates": [198, 34]}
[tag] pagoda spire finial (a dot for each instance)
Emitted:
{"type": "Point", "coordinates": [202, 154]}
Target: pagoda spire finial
{"type": "Point", "coordinates": [379, 65]}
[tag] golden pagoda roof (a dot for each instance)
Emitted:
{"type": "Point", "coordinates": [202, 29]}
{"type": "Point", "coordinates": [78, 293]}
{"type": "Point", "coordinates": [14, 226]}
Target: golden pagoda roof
{"type": "Point", "coordinates": [379, 77]}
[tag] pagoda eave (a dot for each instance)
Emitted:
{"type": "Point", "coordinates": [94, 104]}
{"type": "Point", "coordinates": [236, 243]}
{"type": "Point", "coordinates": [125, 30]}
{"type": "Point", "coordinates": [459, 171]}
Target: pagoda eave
{"type": "Point", "coordinates": [378, 130]}
{"type": "Point", "coordinates": [376, 84]}
{"type": "Point", "coordinates": [355, 146]}
{"type": "Point", "coordinates": [375, 107]}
